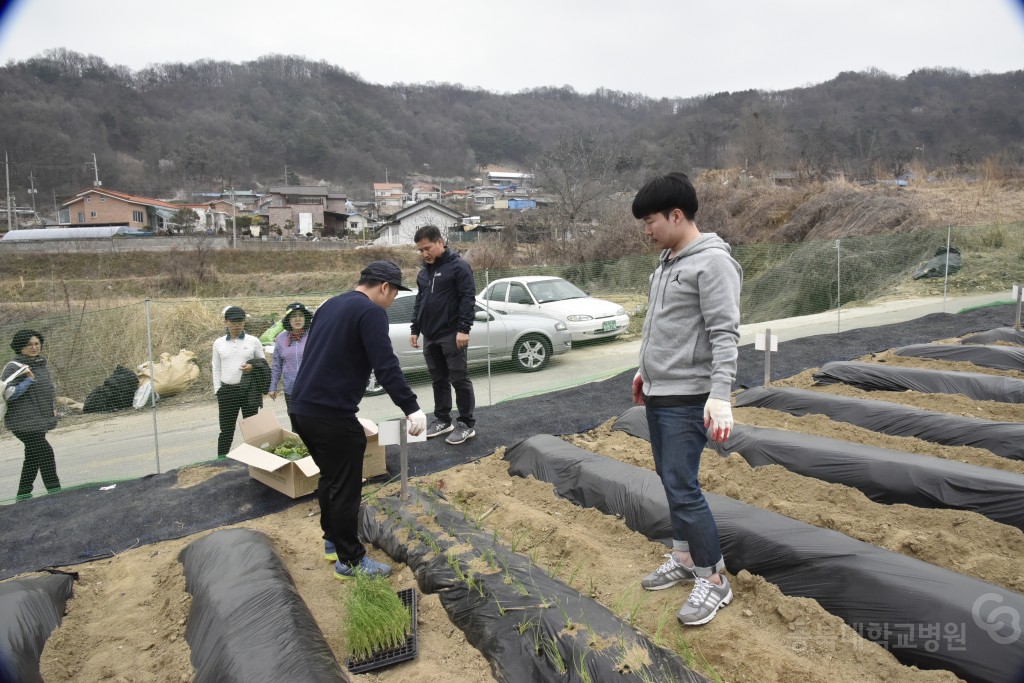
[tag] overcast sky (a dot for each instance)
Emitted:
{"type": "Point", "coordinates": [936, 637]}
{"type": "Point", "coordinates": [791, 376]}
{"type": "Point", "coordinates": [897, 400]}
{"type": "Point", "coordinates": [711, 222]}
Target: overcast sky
{"type": "Point", "coordinates": [661, 48]}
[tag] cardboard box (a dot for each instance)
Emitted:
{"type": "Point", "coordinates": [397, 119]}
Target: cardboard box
{"type": "Point", "coordinates": [294, 478]}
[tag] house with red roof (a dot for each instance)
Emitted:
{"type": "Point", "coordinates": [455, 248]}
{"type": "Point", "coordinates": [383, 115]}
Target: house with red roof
{"type": "Point", "coordinates": [100, 206]}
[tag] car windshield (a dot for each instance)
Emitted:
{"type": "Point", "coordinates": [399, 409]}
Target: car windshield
{"type": "Point", "coordinates": [555, 290]}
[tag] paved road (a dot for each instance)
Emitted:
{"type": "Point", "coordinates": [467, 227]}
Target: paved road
{"type": "Point", "coordinates": [123, 445]}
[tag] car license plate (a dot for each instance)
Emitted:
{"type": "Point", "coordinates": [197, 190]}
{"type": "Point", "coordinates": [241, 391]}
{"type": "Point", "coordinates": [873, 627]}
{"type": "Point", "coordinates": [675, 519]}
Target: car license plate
{"type": "Point", "coordinates": [608, 326]}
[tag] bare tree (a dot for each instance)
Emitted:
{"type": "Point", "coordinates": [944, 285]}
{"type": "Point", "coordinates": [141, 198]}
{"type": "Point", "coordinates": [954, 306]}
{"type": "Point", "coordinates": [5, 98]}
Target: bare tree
{"type": "Point", "coordinates": [579, 170]}
{"type": "Point", "coordinates": [202, 246]}
{"type": "Point", "coordinates": [761, 138]}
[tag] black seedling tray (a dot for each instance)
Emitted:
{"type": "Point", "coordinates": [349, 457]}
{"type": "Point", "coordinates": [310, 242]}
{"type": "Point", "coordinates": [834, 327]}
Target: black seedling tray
{"type": "Point", "coordinates": [393, 655]}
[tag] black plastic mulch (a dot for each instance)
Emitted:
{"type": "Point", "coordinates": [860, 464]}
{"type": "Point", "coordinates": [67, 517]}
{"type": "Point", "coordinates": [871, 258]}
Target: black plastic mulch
{"type": "Point", "coordinates": [580, 408]}
{"type": "Point", "coordinates": [85, 524]}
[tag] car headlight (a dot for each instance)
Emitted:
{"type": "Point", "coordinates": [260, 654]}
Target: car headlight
{"type": "Point", "coordinates": [621, 311]}
{"type": "Point", "coordinates": [560, 326]}
{"type": "Point", "coordinates": [578, 318]}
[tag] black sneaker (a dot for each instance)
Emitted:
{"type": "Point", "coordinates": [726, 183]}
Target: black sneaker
{"type": "Point", "coordinates": [461, 434]}
{"type": "Point", "coordinates": [439, 428]}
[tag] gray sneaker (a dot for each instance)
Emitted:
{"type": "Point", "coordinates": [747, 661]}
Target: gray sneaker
{"type": "Point", "coordinates": [667, 575]}
{"type": "Point", "coordinates": [461, 433]}
{"type": "Point", "coordinates": [438, 428]}
{"type": "Point", "coordinates": [704, 602]}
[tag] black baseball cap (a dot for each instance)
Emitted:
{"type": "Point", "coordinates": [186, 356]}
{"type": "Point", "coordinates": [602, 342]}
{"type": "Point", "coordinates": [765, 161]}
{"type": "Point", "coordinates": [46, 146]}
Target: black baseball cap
{"type": "Point", "coordinates": [234, 313]}
{"type": "Point", "coordinates": [384, 271]}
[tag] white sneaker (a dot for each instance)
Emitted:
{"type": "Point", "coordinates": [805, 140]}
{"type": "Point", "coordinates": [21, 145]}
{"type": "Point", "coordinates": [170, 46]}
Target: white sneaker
{"type": "Point", "coordinates": [667, 575]}
{"type": "Point", "coordinates": [704, 602]}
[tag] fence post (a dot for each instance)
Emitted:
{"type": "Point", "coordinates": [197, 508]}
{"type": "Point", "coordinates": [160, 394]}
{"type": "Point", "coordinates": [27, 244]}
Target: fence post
{"type": "Point", "coordinates": [839, 287]}
{"type": "Point", "coordinates": [1019, 289]}
{"type": "Point", "coordinates": [945, 280]}
{"type": "Point", "coordinates": [487, 281]}
{"type": "Point", "coordinates": [152, 385]}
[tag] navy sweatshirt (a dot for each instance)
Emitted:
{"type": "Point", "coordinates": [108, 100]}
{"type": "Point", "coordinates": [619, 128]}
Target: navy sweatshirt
{"type": "Point", "coordinates": [347, 338]}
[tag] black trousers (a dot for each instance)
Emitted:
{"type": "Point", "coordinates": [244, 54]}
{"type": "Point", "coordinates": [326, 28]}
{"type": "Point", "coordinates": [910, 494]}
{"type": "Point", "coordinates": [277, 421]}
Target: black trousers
{"type": "Point", "coordinates": [38, 460]}
{"type": "Point", "coordinates": [447, 366]}
{"type": "Point", "coordinates": [288, 407]}
{"type": "Point", "coordinates": [337, 446]}
{"type": "Point", "coordinates": [230, 399]}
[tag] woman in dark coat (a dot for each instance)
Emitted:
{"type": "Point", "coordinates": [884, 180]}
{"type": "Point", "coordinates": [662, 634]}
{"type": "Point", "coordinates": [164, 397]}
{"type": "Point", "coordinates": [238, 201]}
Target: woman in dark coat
{"type": "Point", "coordinates": [31, 412]}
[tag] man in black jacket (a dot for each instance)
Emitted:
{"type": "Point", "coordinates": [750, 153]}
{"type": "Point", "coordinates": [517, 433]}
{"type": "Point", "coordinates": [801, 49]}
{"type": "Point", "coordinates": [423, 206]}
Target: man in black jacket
{"type": "Point", "coordinates": [443, 314]}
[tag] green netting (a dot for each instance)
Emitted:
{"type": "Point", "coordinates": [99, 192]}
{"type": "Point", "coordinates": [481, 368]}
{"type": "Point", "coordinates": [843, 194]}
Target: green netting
{"type": "Point", "coordinates": [85, 346]}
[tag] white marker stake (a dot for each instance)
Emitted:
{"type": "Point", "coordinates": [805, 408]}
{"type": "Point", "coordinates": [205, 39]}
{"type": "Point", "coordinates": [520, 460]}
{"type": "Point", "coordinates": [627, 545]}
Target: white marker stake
{"type": "Point", "coordinates": [1016, 295]}
{"type": "Point", "coordinates": [767, 342]}
{"type": "Point", "coordinates": [396, 432]}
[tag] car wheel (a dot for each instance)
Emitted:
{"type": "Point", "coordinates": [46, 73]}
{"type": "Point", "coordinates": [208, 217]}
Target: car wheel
{"type": "Point", "coordinates": [373, 387]}
{"type": "Point", "coordinates": [531, 353]}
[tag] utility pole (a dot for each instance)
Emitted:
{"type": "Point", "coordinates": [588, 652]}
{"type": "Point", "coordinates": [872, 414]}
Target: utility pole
{"type": "Point", "coordinates": [7, 172]}
{"type": "Point", "coordinates": [286, 175]}
{"type": "Point", "coordinates": [32, 191]}
{"type": "Point", "coordinates": [234, 232]}
{"type": "Point", "coordinates": [96, 172]}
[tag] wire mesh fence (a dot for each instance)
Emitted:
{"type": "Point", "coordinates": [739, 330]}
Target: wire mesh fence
{"type": "Point", "coordinates": [84, 349]}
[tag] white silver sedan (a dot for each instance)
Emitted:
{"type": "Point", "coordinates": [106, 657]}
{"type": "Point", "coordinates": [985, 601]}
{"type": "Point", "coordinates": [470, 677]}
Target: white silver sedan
{"type": "Point", "coordinates": [528, 341]}
{"type": "Point", "coordinates": [586, 317]}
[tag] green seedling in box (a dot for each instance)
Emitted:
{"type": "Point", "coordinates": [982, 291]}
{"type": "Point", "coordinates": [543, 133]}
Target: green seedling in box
{"type": "Point", "coordinates": [291, 448]}
{"type": "Point", "coordinates": [377, 619]}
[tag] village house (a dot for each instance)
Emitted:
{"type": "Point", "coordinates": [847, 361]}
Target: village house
{"type": "Point", "coordinates": [101, 206]}
{"type": "Point", "coordinates": [421, 191]}
{"type": "Point", "coordinates": [404, 224]}
{"type": "Point", "coordinates": [389, 198]}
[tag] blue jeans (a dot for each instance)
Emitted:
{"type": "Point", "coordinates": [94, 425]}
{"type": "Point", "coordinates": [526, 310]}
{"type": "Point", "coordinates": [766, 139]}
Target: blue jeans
{"type": "Point", "coordinates": [677, 438]}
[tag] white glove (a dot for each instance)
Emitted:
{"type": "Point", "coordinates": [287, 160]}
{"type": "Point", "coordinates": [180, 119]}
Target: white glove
{"type": "Point", "coordinates": [718, 415]}
{"type": "Point", "coordinates": [417, 422]}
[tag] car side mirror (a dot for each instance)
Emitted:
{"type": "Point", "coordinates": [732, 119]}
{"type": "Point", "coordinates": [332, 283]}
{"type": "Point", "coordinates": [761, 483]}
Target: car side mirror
{"type": "Point", "coordinates": [481, 315]}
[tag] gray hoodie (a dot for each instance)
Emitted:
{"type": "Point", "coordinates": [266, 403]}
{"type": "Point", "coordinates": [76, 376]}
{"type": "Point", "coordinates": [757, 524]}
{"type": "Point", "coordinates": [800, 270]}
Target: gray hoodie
{"type": "Point", "coordinates": [693, 320]}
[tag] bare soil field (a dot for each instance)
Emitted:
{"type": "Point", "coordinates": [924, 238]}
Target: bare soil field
{"type": "Point", "coordinates": [127, 619]}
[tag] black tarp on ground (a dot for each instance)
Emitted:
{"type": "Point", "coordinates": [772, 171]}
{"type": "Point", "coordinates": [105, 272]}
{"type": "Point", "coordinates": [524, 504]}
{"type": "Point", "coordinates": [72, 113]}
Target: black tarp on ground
{"type": "Point", "coordinates": [881, 377]}
{"type": "Point", "coordinates": [116, 393]}
{"type": "Point", "coordinates": [84, 524]}
{"type": "Point", "coordinates": [999, 334]}
{"type": "Point", "coordinates": [509, 593]}
{"type": "Point", "coordinates": [883, 475]}
{"type": "Point", "coordinates": [944, 262]}
{"type": "Point", "coordinates": [578, 409]}
{"type": "Point", "coordinates": [1002, 438]}
{"type": "Point", "coordinates": [31, 608]}
{"type": "Point", "coordinates": [859, 582]}
{"type": "Point", "coordinates": [998, 357]}
{"type": "Point", "coordinates": [247, 621]}
{"type": "Point", "coordinates": [797, 355]}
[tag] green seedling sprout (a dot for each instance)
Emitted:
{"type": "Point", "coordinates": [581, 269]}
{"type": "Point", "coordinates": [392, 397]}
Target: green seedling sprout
{"type": "Point", "coordinates": [377, 619]}
{"type": "Point", "coordinates": [575, 572]}
{"type": "Point", "coordinates": [554, 654]}
{"type": "Point", "coordinates": [580, 664]}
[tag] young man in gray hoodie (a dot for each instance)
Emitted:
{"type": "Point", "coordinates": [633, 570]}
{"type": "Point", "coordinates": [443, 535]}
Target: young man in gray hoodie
{"type": "Point", "coordinates": [687, 367]}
